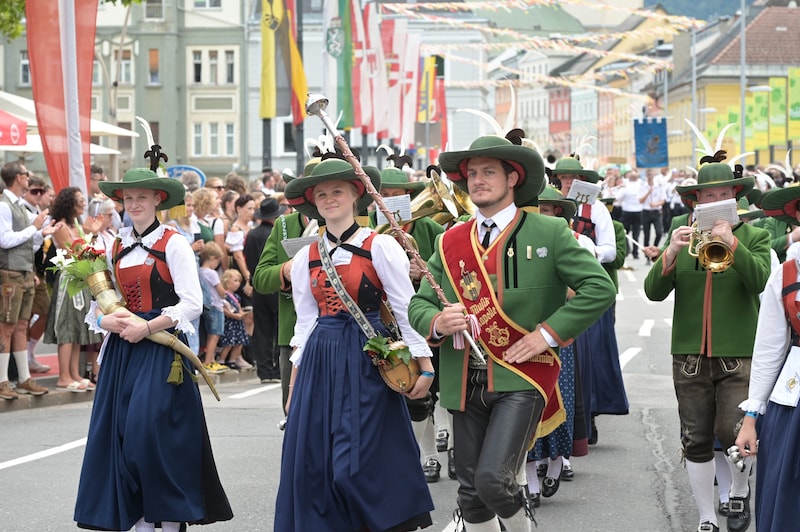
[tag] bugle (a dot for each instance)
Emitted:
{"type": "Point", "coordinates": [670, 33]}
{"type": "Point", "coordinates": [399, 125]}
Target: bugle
{"type": "Point", "coordinates": [711, 251]}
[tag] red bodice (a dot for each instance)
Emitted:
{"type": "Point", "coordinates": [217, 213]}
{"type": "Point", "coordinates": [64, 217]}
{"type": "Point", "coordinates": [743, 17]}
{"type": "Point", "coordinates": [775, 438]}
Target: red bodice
{"type": "Point", "coordinates": [147, 286]}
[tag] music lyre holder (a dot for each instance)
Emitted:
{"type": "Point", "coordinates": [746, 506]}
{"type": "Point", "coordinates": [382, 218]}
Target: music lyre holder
{"type": "Point", "coordinates": [316, 105]}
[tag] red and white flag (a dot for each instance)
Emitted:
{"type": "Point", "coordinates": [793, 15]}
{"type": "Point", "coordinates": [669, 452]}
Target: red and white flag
{"type": "Point", "coordinates": [410, 85]}
{"type": "Point", "coordinates": [61, 50]}
{"type": "Point", "coordinates": [362, 90]}
{"type": "Point", "coordinates": [376, 71]}
{"type": "Point", "coordinates": [393, 36]}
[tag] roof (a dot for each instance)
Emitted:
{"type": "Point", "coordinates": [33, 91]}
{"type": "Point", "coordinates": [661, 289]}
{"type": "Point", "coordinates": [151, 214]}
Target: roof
{"type": "Point", "coordinates": [533, 20]}
{"type": "Point", "coordinates": [772, 39]}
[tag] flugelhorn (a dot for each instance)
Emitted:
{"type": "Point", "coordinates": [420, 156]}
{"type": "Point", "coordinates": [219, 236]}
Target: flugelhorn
{"type": "Point", "coordinates": [712, 252]}
{"type": "Point", "coordinates": [434, 200]}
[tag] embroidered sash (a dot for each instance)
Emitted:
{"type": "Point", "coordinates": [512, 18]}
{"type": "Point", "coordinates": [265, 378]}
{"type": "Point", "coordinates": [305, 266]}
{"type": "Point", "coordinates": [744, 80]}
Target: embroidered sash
{"type": "Point", "coordinates": [468, 275]}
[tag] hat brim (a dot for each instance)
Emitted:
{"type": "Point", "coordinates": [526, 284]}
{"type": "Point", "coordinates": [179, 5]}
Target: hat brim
{"type": "Point", "coordinates": [688, 194]}
{"type": "Point", "coordinates": [526, 161]}
{"type": "Point", "coordinates": [590, 175]}
{"type": "Point", "coordinates": [413, 187]}
{"type": "Point", "coordinates": [172, 189]}
{"type": "Point", "coordinates": [568, 207]}
{"type": "Point", "coordinates": [297, 192]}
{"type": "Point", "coordinates": [782, 204]}
{"type": "Point", "coordinates": [751, 214]}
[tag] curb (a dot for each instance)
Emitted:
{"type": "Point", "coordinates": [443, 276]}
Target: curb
{"type": "Point", "coordinates": [63, 397]}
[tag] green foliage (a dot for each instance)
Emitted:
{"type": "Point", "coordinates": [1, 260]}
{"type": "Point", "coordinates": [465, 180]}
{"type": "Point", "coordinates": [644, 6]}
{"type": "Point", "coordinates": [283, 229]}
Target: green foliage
{"type": "Point", "coordinates": [12, 12]}
{"type": "Point", "coordinates": [385, 349]}
{"type": "Point", "coordinates": [77, 263]}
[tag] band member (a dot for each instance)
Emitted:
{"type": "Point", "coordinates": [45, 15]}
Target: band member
{"type": "Point", "coordinates": [526, 261]}
{"type": "Point", "coordinates": [349, 458]}
{"type": "Point", "coordinates": [713, 328]}
{"type": "Point", "coordinates": [776, 359]}
{"type": "Point", "coordinates": [148, 456]}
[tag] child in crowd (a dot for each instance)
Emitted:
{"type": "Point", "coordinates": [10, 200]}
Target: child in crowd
{"type": "Point", "coordinates": [234, 338]}
{"type": "Point", "coordinates": [213, 318]}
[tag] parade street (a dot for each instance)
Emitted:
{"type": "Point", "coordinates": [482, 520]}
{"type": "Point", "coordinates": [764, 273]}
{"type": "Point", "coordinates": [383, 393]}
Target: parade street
{"type": "Point", "coordinates": [632, 479]}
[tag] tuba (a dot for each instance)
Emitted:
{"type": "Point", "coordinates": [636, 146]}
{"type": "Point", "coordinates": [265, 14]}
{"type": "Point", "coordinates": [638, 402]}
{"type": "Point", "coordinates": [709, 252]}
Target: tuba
{"type": "Point", "coordinates": [712, 252]}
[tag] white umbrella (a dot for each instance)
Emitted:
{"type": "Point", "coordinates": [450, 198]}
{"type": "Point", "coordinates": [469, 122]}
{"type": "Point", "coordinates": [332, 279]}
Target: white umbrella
{"type": "Point", "coordinates": [34, 145]}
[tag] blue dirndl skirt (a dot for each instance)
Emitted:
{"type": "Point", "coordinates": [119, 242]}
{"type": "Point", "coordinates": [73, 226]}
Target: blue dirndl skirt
{"type": "Point", "coordinates": [148, 452]}
{"type": "Point", "coordinates": [350, 461]}
{"type": "Point", "coordinates": [778, 475]}
{"type": "Point", "coordinates": [559, 442]}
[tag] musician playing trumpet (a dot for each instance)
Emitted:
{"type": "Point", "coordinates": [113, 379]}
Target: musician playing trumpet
{"type": "Point", "coordinates": [713, 330]}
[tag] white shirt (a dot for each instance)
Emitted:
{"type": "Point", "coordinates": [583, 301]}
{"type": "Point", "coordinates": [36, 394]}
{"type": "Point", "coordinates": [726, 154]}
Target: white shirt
{"type": "Point", "coordinates": [629, 196]}
{"type": "Point", "coordinates": [773, 337]}
{"type": "Point", "coordinates": [605, 240]}
{"type": "Point", "coordinates": [10, 238]}
{"type": "Point", "coordinates": [392, 266]}
{"type": "Point", "coordinates": [501, 220]}
{"type": "Point", "coordinates": [657, 194]}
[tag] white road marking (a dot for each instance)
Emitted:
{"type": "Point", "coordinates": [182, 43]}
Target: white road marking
{"type": "Point", "coordinates": [641, 293]}
{"type": "Point", "coordinates": [668, 321]}
{"type": "Point", "coordinates": [646, 328]}
{"type": "Point", "coordinates": [629, 275]}
{"type": "Point", "coordinates": [620, 297]}
{"type": "Point", "coordinates": [43, 454]}
{"type": "Point", "coordinates": [254, 391]}
{"type": "Point", "coordinates": [451, 527]}
{"type": "Point", "coordinates": [628, 355]}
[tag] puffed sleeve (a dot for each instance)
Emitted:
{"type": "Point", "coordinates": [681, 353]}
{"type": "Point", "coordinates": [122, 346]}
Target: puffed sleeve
{"type": "Point", "coordinates": [304, 304]}
{"type": "Point", "coordinates": [182, 267]}
{"type": "Point", "coordinates": [392, 267]}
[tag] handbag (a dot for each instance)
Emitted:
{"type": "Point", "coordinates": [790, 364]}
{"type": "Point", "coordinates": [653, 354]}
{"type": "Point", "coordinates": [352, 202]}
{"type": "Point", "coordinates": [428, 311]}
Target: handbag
{"type": "Point", "coordinates": [397, 374]}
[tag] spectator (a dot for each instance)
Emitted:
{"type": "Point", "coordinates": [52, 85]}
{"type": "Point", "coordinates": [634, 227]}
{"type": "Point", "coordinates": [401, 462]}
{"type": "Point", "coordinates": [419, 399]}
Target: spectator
{"type": "Point", "coordinates": [206, 204]}
{"type": "Point", "coordinates": [215, 183]}
{"type": "Point", "coordinates": [190, 180]}
{"type": "Point", "coordinates": [653, 198]}
{"type": "Point", "coordinates": [630, 196]}
{"type": "Point", "coordinates": [213, 317]}
{"type": "Point", "coordinates": [234, 338]}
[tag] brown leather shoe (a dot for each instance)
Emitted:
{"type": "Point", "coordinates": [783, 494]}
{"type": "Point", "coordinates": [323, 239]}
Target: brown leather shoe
{"type": "Point", "coordinates": [6, 392]}
{"type": "Point", "coordinates": [31, 387]}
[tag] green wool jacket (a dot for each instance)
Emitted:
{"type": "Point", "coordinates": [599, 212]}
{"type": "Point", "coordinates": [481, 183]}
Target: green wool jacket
{"type": "Point", "coordinates": [534, 293]}
{"type": "Point", "coordinates": [722, 307]}
{"type": "Point", "coordinates": [267, 277]}
{"type": "Point", "coordinates": [424, 232]}
{"type": "Point", "coordinates": [777, 233]}
{"type": "Point", "coordinates": [622, 252]}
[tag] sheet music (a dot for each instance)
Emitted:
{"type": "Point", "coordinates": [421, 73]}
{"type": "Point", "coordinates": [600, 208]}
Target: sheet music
{"type": "Point", "coordinates": [293, 245]}
{"type": "Point", "coordinates": [400, 206]}
{"type": "Point", "coordinates": [708, 213]}
{"type": "Point", "coordinates": [583, 192]}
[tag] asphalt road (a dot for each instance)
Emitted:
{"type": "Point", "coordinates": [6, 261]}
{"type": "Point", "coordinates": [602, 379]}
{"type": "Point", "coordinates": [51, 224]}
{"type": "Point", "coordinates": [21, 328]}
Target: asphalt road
{"type": "Point", "coordinates": [632, 479]}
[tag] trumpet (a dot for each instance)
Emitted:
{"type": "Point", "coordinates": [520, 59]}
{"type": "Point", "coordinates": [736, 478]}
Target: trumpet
{"type": "Point", "coordinates": [712, 252]}
{"type": "Point", "coordinates": [434, 201]}
{"type": "Point", "coordinates": [464, 205]}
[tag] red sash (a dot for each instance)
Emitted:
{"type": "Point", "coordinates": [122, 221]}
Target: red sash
{"type": "Point", "coordinates": [498, 330]}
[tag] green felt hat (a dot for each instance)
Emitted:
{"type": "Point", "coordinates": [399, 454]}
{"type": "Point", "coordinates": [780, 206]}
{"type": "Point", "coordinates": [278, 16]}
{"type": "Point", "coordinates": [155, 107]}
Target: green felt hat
{"type": "Point", "coordinates": [394, 177]}
{"type": "Point", "coordinates": [571, 165]}
{"type": "Point", "coordinates": [300, 192]}
{"type": "Point", "coordinates": [746, 213]}
{"type": "Point", "coordinates": [782, 204]}
{"type": "Point", "coordinates": [526, 161]}
{"type": "Point", "coordinates": [715, 175]}
{"type": "Point", "coordinates": [555, 198]}
{"type": "Point", "coordinates": [172, 190]}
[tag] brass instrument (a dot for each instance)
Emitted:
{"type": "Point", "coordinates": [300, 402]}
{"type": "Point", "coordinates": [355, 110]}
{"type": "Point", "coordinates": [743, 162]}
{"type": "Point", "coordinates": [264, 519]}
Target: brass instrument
{"type": "Point", "coordinates": [712, 252]}
{"type": "Point", "coordinates": [434, 201]}
{"type": "Point", "coordinates": [464, 204]}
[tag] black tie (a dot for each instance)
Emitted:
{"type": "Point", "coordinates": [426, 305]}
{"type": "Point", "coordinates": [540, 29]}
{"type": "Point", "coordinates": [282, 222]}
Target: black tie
{"type": "Point", "coordinates": [488, 225]}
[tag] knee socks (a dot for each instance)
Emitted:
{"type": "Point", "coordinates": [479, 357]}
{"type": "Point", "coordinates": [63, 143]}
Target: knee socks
{"type": "Point", "coordinates": [492, 525]}
{"type": "Point", "coordinates": [519, 522]}
{"type": "Point", "coordinates": [21, 358]}
{"type": "Point", "coordinates": [5, 358]}
{"type": "Point", "coordinates": [425, 434]}
{"type": "Point", "coordinates": [739, 484]}
{"type": "Point", "coordinates": [723, 470]}
{"type": "Point", "coordinates": [701, 479]}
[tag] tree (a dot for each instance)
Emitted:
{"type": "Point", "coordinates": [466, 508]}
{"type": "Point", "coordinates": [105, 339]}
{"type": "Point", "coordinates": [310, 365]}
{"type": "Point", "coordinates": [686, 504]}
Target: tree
{"type": "Point", "coordinates": [13, 13]}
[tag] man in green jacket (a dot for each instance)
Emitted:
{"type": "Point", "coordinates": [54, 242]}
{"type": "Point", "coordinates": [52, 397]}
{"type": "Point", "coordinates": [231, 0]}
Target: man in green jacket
{"type": "Point", "coordinates": [507, 273]}
{"type": "Point", "coordinates": [713, 330]}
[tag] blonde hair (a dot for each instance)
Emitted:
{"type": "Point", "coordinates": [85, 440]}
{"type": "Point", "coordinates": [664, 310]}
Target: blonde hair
{"type": "Point", "coordinates": [211, 250]}
{"type": "Point", "coordinates": [229, 275]}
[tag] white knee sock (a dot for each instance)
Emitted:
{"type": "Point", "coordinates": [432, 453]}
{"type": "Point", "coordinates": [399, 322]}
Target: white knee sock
{"type": "Point", "coordinates": [533, 478]}
{"type": "Point", "coordinates": [32, 346]}
{"type": "Point", "coordinates": [701, 479]}
{"type": "Point", "coordinates": [21, 358]}
{"type": "Point", "coordinates": [522, 475]}
{"type": "Point", "coordinates": [739, 484]}
{"type": "Point", "coordinates": [5, 358]}
{"type": "Point", "coordinates": [554, 467]}
{"type": "Point", "coordinates": [492, 525]}
{"type": "Point", "coordinates": [519, 522]}
{"type": "Point", "coordinates": [723, 468]}
{"type": "Point", "coordinates": [144, 526]}
{"type": "Point", "coordinates": [170, 526]}
{"type": "Point", "coordinates": [425, 434]}
{"type": "Point", "coordinates": [566, 461]}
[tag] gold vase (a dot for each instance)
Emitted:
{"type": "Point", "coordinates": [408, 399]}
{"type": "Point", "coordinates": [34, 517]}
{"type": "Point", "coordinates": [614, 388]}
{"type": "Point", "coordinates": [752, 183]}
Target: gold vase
{"type": "Point", "coordinates": [102, 288]}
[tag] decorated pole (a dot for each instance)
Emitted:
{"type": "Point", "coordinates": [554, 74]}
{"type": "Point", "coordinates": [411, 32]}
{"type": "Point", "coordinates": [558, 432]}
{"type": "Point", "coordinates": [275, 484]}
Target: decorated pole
{"type": "Point", "coordinates": [317, 103]}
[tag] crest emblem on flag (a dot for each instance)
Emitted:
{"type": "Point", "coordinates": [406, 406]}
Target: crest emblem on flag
{"type": "Point", "coordinates": [334, 39]}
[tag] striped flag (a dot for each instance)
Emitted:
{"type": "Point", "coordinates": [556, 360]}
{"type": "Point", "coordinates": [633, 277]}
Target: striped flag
{"type": "Point", "coordinates": [337, 59]}
{"type": "Point", "coordinates": [61, 51]}
{"type": "Point", "coordinates": [376, 71]}
{"type": "Point", "coordinates": [270, 21]}
{"type": "Point", "coordinates": [393, 36]}
{"type": "Point", "coordinates": [427, 78]}
{"type": "Point", "coordinates": [410, 83]}
{"type": "Point", "coordinates": [293, 63]}
{"type": "Point", "coordinates": [362, 90]}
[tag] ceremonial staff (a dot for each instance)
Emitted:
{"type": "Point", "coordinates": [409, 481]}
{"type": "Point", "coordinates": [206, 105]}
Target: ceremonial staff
{"type": "Point", "coordinates": [316, 105]}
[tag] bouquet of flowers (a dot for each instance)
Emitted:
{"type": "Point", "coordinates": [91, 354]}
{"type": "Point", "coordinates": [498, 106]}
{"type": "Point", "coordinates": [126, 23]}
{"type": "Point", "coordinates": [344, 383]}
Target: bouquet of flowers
{"type": "Point", "coordinates": [78, 262]}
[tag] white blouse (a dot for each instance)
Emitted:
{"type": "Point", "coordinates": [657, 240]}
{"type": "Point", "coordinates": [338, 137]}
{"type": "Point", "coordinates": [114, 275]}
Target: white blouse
{"type": "Point", "coordinates": [392, 267]}
{"type": "Point", "coordinates": [773, 339]}
{"type": "Point", "coordinates": [182, 267]}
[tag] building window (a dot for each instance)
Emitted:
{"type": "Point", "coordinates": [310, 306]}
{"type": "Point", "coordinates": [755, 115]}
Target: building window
{"type": "Point", "coordinates": [125, 74]}
{"type": "Point", "coordinates": [154, 9]}
{"type": "Point", "coordinates": [229, 140]}
{"type": "Point", "coordinates": [229, 67]}
{"type": "Point", "coordinates": [96, 82]}
{"type": "Point", "coordinates": [124, 143]}
{"type": "Point", "coordinates": [213, 139]}
{"type": "Point", "coordinates": [213, 64]}
{"type": "Point", "coordinates": [197, 62]}
{"type": "Point", "coordinates": [197, 140]}
{"type": "Point", "coordinates": [24, 68]}
{"type": "Point", "coordinates": [288, 136]}
{"type": "Point", "coordinates": [152, 62]}
{"type": "Point", "coordinates": [206, 4]}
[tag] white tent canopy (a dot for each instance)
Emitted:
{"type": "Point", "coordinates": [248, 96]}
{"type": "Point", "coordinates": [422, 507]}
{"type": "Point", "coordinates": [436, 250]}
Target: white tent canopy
{"type": "Point", "coordinates": [34, 145]}
{"type": "Point", "coordinates": [25, 109]}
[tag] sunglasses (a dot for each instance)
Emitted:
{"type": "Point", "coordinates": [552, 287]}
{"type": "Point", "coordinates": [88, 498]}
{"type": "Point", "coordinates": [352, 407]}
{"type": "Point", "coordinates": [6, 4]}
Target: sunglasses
{"type": "Point", "coordinates": [36, 191]}
{"type": "Point", "coordinates": [218, 187]}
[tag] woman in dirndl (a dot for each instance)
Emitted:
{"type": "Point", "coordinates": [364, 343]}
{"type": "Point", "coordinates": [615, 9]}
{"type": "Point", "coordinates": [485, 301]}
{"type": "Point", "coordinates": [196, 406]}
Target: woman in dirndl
{"type": "Point", "coordinates": [350, 461]}
{"type": "Point", "coordinates": [148, 459]}
{"type": "Point", "coordinates": [774, 388]}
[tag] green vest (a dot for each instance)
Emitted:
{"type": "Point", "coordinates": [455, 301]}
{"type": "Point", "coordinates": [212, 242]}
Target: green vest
{"type": "Point", "coordinates": [20, 257]}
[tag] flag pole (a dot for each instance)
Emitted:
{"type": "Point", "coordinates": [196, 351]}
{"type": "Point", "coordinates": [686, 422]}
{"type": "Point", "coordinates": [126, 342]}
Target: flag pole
{"type": "Point", "coordinates": [299, 130]}
{"type": "Point", "coordinates": [316, 106]}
